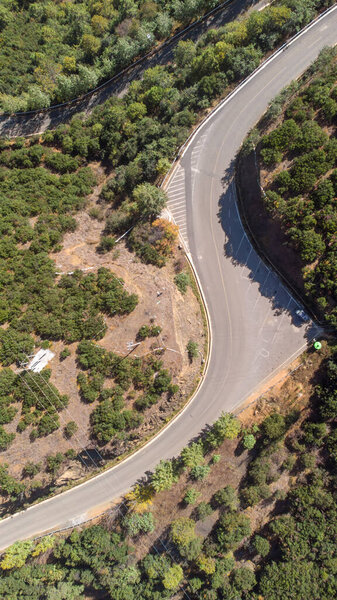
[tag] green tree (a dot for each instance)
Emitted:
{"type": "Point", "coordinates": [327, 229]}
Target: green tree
{"type": "Point", "coordinates": [5, 438]}
{"type": "Point", "coordinates": [232, 528]}
{"type": "Point", "coordinates": [226, 427]}
{"type": "Point", "coordinates": [65, 590]}
{"type": "Point", "coordinates": [192, 455]}
{"type": "Point", "coordinates": [206, 564]}
{"type": "Point", "coordinates": [47, 543]}
{"type": "Point", "coordinates": [293, 580]}
{"type": "Point", "coordinates": [16, 555]}
{"type": "Point", "coordinates": [9, 486]}
{"type": "Point", "coordinates": [173, 577]}
{"type": "Point", "coordinates": [149, 200]}
{"type": "Point", "coordinates": [163, 477]}
{"type": "Point", "coordinates": [184, 53]}
{"type": "Point", "coordinates": [54, 462]}
{"type": "Point", "coordinates": [200, 472]}
{"type": "Point", "coordinates": [183, 532]}
{"type": "Point", "coordinates": [90, 45]}
{"type": "Point", "coordinates": [249, 441]}
{"type": "Point", "coordinates": [261, 545]}
{"type": "Point", "coordinates": [273, 428]}
{"type": "Point", "coordinates": [243, 579]}
{"type": "Point", "coordinates": [227, 498]}
{"type": "Point", "coordinates": [203, 510]}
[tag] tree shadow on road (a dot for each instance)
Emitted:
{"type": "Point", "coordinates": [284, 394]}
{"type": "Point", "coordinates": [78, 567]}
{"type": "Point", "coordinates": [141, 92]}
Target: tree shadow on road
{"type": "Point", "coordinates": [250, 264]}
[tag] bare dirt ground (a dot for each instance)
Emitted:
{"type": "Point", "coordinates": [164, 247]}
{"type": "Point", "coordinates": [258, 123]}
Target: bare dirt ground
{"type": "Point", "coordinates": [160, 302]}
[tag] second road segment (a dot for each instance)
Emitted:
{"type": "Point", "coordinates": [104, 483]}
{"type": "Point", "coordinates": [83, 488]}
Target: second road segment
{"type": "Point", "coordinates": [254, 327]}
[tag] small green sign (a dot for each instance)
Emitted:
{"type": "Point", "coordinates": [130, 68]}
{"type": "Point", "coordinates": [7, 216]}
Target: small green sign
{"type": "Point", "coordinates": [317, 345]}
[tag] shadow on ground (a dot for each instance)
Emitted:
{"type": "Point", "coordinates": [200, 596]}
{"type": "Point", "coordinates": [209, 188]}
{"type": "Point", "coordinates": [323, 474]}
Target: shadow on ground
{"type": "Point", "coordinates": [241, 252]}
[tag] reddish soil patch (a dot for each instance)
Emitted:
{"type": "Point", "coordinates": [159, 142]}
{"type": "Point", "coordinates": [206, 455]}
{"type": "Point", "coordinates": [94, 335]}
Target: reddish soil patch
{"type": "Point", "coordinates": [290, 389]}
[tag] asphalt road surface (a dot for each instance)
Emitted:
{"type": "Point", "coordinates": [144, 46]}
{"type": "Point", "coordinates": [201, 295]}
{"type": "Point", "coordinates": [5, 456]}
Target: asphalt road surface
{"type": "Point", "coordinates": [28, 124]}
{"type": "Point", "coordinates": [255, 330]}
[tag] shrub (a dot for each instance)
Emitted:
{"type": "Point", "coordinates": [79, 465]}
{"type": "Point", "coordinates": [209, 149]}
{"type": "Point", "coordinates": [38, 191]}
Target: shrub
{"type": "Point", "coordinates": [226, 498]}
{"type": "Point", "coordinates": [106, 244]}
{"type": "Point", "coordinates": [134, 524]}
{"type": "Point", "coordinates": [182, 281]}
{"type": "Point", "coordinates": [203, 510]}
{"type": "Point", "coordinates": [200, 472]}
{"type": "Point", "coordinates": [192, 350]}
{"type": "Point", "coordinates": [64, 353]}
{"type": "Point", "coordinates": [31, 469]}
{"type": "Point", "coordinates": [70, 429]}
{"type": "Point", "coordinates": [191, 496]}
{"type": "Point", "coordinates": [261, 545]}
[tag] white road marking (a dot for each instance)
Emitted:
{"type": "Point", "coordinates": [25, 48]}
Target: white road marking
{"type": "Point", "coordinates": [177, 195]}
{"type": "Point", "coordinates": [175, 205]}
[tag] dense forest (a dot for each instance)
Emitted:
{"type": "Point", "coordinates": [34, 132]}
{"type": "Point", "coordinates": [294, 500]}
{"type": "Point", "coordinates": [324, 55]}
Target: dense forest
{"type": "Point", "coordinates": [55, 51]}
{"type": "Point", "coordinates": [300, 155]}
{"type": "Point", "coordinates": [292, 556]}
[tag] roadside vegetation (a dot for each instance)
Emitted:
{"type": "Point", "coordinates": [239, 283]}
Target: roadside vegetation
{"type": "Point", "coordinates": [298, 158]}
{"type": "Point", "coordinates": [270, 533]}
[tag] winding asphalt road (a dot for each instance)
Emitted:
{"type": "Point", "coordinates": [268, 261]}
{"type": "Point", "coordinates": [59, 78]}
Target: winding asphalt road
{"type": "Point", "coordinates": [254, 327]}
